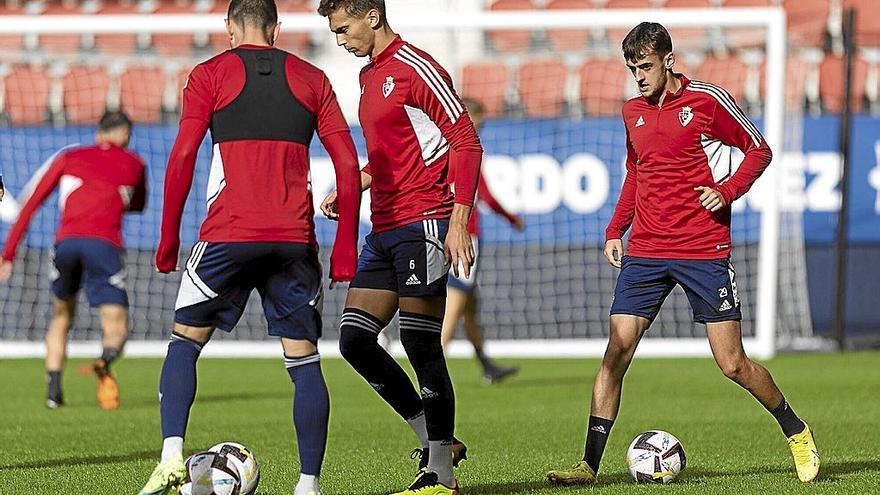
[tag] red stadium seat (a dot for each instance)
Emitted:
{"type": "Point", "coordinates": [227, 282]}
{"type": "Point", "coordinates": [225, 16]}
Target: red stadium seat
{"type": "Point", "coordinates": [508, 40]}
{"type": "Point", "coordinates": [831, 83]}
{"type": "Point", "coordinates": [603, 84]}
{"type": "Point", "coordinates": [27, 95]}
{"type": "Point", "coordinates": [141, 91]}
{"type": "Point", "coordinates": [85, 93]}
{"type": "Point", "coordinates": [569, 39]}
{"type": "Point", "coordinates": [542, 87]}
{"type": "Point", "coordinates": [807, 21]}
{"type": "Point", "coordinates": [487, 83]}
{"type": "Point", "coordinates": [616, 35]}
{"type": "Point", "coordinates": [746, 37]}
{"type": "Point", "coordinates": [172, 44]}
{"type": "Point", "coordinates": [688, 38]}
{"type": "Point", "coordinates": [729, 72]}
{"type": "Point", "coordinates": [117, 44]}
{"type": "Point", "coordinates": [11, 42]}
{"type": "Point", "coordinates": [797, 70]}
{"type": "Point", "coordinates": [61, 43]}
{"type": "Point", "coordinates": [867, 21]}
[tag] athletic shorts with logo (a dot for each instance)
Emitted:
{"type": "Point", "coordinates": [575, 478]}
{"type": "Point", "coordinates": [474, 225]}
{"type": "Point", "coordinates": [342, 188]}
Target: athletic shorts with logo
{"type": "Point", "coordinates": [92, 264]}
{"type": "Point", "coordinates": [467, 285]}
{"type": "Point", "coordinates": [710, 286]}
{"type": "Point", "coordinates": [407, 260]}
{"type": "Point", "coordinates": [219, 278]}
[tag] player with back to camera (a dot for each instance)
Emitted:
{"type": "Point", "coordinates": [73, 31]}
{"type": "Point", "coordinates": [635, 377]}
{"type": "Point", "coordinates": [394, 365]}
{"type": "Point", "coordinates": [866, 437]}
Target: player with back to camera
{"type": "Point", "coordinates": [417, 130]}
{"type": "Point", "coordinates": [462, 294]}
{"type": "Point", "coordinates": [263, 106]}
{"type": "Point", "coordinates": [676, 199]}
{"type": "Point", "coordinates": [97, 185]}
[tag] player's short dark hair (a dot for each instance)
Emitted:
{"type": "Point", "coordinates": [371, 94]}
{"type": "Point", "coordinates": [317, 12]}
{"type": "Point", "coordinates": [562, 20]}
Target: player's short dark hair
{"type": "Point", "coordinates": [113, 120]}
{"type": "Point", "coordinates": [473, 105]}
{"type": "Point", "coordinates": [259, 13]}
{"type": "Point", "coordinates": [646, 38]}
{"type": "Point", "coordinates": [352, 7]}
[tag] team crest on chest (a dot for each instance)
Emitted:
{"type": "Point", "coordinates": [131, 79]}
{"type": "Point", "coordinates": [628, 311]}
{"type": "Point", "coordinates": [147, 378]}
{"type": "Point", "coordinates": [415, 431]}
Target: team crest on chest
{"type": "Point", "coordinates": [388, 87]}
{"type": "Point", "coordinates": [685, 116]}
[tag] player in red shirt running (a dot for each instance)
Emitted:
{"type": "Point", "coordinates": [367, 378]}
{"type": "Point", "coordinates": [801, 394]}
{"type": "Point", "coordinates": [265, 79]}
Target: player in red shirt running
{"type": "Point", "coordinates": [676, 198]}
{"type": "Point", "coordinates": [263, 107]}
{"type": "Point", "coordinates": [416, 130]}
{"type": "Point", "coordinates": [462, 298]}
{"type": "Point", "coordinates": [97, 186]}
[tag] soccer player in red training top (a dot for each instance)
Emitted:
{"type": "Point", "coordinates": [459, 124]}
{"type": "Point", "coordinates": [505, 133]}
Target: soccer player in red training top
{"type": "Point", "coordinates": [263, 106]}
{"type": "Point", "coordinates": [676, 197]}
{"type": "Point", "coordinates": [461, 292]}
{"type": "Point", "coordinates": [97, 185]}
{"type": "Point", "coordinates": [416, 130]}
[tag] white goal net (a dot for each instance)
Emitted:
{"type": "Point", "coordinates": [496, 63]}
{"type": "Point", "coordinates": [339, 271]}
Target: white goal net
{"type": "Point", "coordinates": [552, 83]}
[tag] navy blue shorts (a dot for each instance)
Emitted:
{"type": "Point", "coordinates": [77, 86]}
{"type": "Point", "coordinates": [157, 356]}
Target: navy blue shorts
{"type": "Point", "coordinates": [407, 260]}
{"type": "Point", "coordinates": [710, 286]}
{"type": "Point", "coordinates": [460, 283]}
{"type": "Point", "coordinates": [94, 264]}
{"type": "Point", "coordinates": [219, 278]}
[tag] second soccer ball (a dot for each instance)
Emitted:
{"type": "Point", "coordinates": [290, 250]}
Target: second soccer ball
{"type": "Point", "coordinates": [655, 457]}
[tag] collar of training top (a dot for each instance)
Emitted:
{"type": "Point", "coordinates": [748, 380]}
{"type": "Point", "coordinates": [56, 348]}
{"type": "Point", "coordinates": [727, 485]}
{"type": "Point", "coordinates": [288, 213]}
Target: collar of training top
{"type": "Point", "coordinates": [389, 50]}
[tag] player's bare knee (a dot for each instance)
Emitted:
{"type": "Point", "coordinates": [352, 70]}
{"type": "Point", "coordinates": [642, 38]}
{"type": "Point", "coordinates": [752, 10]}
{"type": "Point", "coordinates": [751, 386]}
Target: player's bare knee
{"type": "Point", "coordinates": [735, 368]}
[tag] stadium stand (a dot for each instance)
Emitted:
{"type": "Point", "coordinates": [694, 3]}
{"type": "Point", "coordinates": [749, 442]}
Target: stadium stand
{"type": "Point", "coordinates": [142, 89]}
{"type": "Point", "coordinates": [507, 40]}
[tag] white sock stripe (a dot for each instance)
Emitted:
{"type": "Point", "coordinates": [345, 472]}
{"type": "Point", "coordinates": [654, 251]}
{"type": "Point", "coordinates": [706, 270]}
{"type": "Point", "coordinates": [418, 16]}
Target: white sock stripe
{"type": "Point", "coordinates": [727, 102]}
{"type": "Point", "coordinates": [178, 338]}
{"type": "Point", "coordinates": [360, 320]}
{"type": "Point", "coordinates": [456, 104]}
{"type": "Point", "coordinates": [453, 116]}
{"type": "Point", "coordinates": [294, 362]}
{"type": "Point", "coordinates": [358, 324]}
{"type": "Point", "coordinates": [420, 325]}
{"type": "Point", "coordinates": [439, 83]}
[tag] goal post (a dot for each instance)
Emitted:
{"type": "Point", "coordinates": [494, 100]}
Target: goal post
{"type": "Point", "coordinates": [551, 327]}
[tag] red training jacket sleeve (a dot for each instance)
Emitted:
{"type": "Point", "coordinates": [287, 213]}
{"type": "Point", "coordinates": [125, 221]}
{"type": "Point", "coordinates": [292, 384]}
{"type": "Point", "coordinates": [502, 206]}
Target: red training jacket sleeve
{"type": "Point", "coordinates": [336, 137]}
{"type": "Point", "coordinates": [625, 210]}
{"type": "Point", "coordinates": [44, 188]}
{"type": "Point", "coordinates": [485, 195]}
{"type": "Point", "coordinates": [436, 97]}
{"type": "Point", "coordinates": [733, 128]}
{"type": "Point", "coordinates": [139, 198]}
{"type": "Point", "coordinates": [198, 104]}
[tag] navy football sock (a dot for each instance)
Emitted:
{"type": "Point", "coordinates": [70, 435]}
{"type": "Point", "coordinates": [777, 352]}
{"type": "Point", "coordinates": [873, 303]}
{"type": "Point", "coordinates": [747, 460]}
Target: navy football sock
{"type": "Point", "coordinates": [311, 410]}
{"type": "Point", "coordinates": [597, 436]}
{"type": "Point", "coordinates": [420, 336]}
{"type": "Point", "coordinates": [177, 385]}
{"type": "Point", "coordinates": [790, 423]}
{"type": "Point", "coordinates": [360, 347]}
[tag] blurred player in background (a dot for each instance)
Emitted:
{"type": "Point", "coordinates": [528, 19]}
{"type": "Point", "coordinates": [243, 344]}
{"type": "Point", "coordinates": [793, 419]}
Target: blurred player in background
{"type": "Point", "coordinates": [416, 131]}
{"type": "Point", "coordinates": [97, 185]}
{"type": "Point", "coordinates": [677, 194]}
{"type": "Point", "coordinates": [263, 107]}
{"type": "Point", "coordinates": [462, 297]}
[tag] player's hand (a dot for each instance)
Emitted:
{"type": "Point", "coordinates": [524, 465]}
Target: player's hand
{"type": "Point", "coordinates": [459, 248]}
{"type": "Point", "coordinates": [330, 207]}
{"type": "Point", "coordinates": [2, 193]}
{"type": "Point", "coordinates": [518, 223]}
{"type": "Point", "coordinates": [166, 256]}
{"type": "Point", "coordinates": [614, 252]}
{"type": "Point", "coordinates": [711, 199]}
{"type": "Point", "coordinates": [5, 269]}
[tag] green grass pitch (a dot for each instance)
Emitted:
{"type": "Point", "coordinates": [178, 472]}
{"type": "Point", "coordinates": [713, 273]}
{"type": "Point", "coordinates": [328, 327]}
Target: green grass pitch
{"type": "Point", "coordinates": [515, 431]}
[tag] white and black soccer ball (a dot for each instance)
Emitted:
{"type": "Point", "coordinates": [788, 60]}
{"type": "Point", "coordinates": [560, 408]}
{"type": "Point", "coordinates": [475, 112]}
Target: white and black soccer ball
{"type": "Point", "coordinates": [244, 461]}
{"type": "Point", "coordinates": [655, 457]}
{"type": "Point", "coordinates": [210, 473]}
